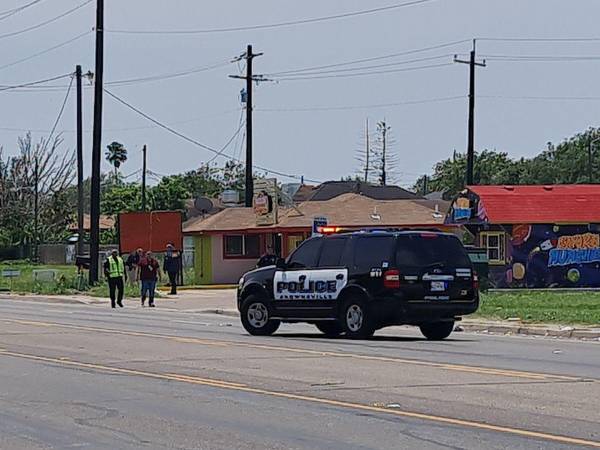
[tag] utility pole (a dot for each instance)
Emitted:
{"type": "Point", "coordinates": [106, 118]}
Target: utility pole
{"type": "Point", "coordinates": [590, 159]}
{"type": "Point", "coordinates": [383, 128]}
{"type": "Point", "coordinates": [36, 210]}
{"type": "Point", "coordinates": [250, 77]}
{"type": "Point", "coordinates": [144, 179]}
{"type": "Point", "coordinates": [471, 139]}
{"type": "Point", "coordinates": [96, 146]}
{"type": "Point", "coordinates": [80, 231]}
{"type": "Point", "coordinates": [368, 150]}
{"type": "Point", "coordinates": [425, 183]}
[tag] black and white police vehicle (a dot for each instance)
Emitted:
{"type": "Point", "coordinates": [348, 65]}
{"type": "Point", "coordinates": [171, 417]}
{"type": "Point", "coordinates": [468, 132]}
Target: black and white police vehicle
{"type": "Point", "coordinates": [357, 282]}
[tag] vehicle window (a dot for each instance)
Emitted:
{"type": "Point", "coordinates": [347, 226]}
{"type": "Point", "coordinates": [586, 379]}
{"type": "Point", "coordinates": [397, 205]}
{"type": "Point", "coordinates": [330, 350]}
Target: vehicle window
{"type": "Point", "coordinates": [416, 251]}
{"type": "Point", "coordinates": [331, 252]}
{"type": "Point", "coordinates": [372, 251]}
{"type": "Point", "coordinates": [305, 255]}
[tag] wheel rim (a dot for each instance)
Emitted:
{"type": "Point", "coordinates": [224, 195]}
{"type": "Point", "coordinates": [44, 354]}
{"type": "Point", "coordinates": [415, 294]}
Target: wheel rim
{"type": "Point", "coordinates": [354, 318]}
{"type": "Point", "coordinates": [258, 315]}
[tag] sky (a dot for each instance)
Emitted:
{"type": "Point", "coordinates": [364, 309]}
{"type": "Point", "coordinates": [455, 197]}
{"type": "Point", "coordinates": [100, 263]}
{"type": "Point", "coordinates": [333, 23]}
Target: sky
{"type": "Point", "coordinates": [313, 126]}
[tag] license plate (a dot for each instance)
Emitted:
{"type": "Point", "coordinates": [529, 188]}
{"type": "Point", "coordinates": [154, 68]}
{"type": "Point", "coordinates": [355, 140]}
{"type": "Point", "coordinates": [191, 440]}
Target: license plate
{"type": "Point", "coordinates": [438, 286]}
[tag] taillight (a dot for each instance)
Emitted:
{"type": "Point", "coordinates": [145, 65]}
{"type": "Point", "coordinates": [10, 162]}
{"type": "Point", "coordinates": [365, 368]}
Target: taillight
{"type": "Point", "coordinates": [391, 279]}
{"type": "Point", "coordinates": [475, 282]}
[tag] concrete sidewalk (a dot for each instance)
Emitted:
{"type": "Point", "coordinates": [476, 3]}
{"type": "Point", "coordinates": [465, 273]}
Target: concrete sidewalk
{"type": "Point", "coordinates": [223, 301]}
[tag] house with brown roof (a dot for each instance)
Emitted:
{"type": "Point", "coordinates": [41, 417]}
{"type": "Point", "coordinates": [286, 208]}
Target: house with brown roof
{"type": "Point", "coordinates": [229, 243]}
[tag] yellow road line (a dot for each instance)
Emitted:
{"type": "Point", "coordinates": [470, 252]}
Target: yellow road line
{"type": "Point", "coordinates": [305, 398]}
{"type": "Point", "coordinates": [220, 343]}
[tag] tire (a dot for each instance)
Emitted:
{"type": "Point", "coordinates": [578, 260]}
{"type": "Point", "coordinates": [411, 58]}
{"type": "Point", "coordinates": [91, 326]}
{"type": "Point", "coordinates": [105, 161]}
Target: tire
{"type": "Point", "coordinates": [330, 328]}
{"type": "Point", "coordinates": [255, 317]}
{"type": "Point", "coordinates": [356, 320]}
{"type": "Point", "coordinates": [438, 330]}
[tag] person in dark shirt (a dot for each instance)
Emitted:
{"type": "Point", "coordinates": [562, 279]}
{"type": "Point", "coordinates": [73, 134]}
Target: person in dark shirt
{"type": "Point", "coordinates": [149, 274]}
{"type": "Point", "coordinates": [172, 266]}
{"type": "Point", "coordinates": [132, 266]}
{"type": "Point", "coordinates": [268, 259]}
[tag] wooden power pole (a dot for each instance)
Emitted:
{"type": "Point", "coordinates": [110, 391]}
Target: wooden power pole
{"type": "Point", "coordinates": [80, 231]}
{"type": "Point", "coordinates": [96, 145]}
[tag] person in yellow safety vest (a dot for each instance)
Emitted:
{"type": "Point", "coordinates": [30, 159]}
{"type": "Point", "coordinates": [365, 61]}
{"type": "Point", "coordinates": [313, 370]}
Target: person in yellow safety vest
{"type": "Point", "coordinates": [114, 270]}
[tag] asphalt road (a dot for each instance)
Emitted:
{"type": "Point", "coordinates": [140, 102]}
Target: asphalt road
{"type": "Point", "coordinates": [86, 376]}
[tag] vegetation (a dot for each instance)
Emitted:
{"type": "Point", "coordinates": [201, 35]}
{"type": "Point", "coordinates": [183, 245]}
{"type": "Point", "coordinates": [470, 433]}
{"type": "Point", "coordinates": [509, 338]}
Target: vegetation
{"type": "Point", "coordinates": [542, 306]}
{"type": "Point", "coordinates": [565, 163]}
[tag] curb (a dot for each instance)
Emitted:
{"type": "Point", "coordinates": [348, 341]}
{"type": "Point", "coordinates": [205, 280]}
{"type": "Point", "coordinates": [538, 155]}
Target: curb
{"type": "Point", "coordinates": [221, 312]}
{"type": "Point", "coordinates": [566, 332]}
{"type": "Point", "coordinates": [203, 287]}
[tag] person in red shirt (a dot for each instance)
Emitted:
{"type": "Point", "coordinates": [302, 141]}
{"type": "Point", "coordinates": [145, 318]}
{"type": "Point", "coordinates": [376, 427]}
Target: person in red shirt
{"type": "Point", "coordinates": [149, 269]}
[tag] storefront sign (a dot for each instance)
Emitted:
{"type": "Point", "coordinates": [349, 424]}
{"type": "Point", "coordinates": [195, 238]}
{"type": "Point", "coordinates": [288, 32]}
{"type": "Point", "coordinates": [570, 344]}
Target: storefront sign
{"type": "Point", "coordinates": [318, 222]}
{"type": "Point", "coordinates": [577, 249]}
{"type": "Point", "coordinates": [462, 209]}
{"type": "Point", "coordinates": [265, 201]}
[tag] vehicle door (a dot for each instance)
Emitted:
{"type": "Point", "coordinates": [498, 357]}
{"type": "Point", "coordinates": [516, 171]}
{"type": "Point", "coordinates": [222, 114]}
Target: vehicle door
{"type": "Point", "coordinates": [310, 286]}
{"type": "Point", "coordinates": [373, 258]}
{"type": "Point", "coordinates": [291, 285]}
{"type": "Point", "coordinates": [434, 267]}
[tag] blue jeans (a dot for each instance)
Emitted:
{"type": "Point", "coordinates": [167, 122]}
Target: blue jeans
{"type": "Point", "coordinates": [148, 287]}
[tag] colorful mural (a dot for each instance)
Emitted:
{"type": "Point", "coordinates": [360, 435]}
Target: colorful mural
{"type": "Point", "coordinates": [540, 256]}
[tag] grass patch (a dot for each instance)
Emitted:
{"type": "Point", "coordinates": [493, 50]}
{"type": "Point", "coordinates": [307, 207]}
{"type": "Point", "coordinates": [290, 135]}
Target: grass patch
{"type": "Point", "coordinates": [542, 307]}
{"type": "Point", "coordinates": [65, 281]}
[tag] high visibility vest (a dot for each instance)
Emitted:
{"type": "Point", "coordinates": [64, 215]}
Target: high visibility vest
{"type": "Point", "coordinates": [115, 268]}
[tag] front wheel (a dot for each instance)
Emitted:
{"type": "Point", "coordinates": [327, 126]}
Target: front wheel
{"type": "Point", "coordinates": [330, 328]}
{"type": "Point", "coordinates": [437, 331]}
{"type": "Point", "coordinates": [256, 319]}
{"type": "Point", "coordinates": [356, 319]}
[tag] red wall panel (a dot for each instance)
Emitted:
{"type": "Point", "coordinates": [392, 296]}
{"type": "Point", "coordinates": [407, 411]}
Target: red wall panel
{"type": "Point", "coordinates": [150, 230]}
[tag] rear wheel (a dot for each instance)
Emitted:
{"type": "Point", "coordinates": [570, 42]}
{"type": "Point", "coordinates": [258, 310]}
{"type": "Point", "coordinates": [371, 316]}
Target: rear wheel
{"type": "Point", "coordinates": [356, 319]}
{"type": "Point", "coordinates": [256, 318]}
{"type": "Point", "coordinates": [437, 331]}
{"type": "Point", "coordinates": [330, 328]}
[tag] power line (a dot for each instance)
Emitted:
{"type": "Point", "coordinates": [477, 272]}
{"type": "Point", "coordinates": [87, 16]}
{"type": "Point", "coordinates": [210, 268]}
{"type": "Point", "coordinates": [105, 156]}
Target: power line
{"type": "Point", "coordinates": [12, 12]}
{"type": "Point", "coordinates": [360, 74]}
{"type": "Point", "coordinates": [541, 58]}
{"type": "Point", "coordinates": [375, 66]}
{"type": "Point", "coordinates": [532, 39]}
{"type": "Point", "coordinates": [237, 132]}
{"type": "Point", "coordinates": [60, 113]}
{"type": "Point", "coordinates": [43, 52]}
{"type": "Point", "coordinates": [351, 107]}
{"type": "Point", "coordinates": [168, 75]}
{"type": "Point", "coordinates": [374, 58]}
{"type": "Point", "coordinates": [47, 22]}
{"type": "Point", "coordinates": [540, 97]}
{"type": "Point", "coordinates": [33, 83]}
{"type": "Point", "coordinates": [193, 141]}
{"type": "Point", "coordinates": [278, 24]}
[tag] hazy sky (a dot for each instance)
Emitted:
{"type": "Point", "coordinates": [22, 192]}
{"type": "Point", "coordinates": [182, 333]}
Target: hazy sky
{"type": "Point", "coordinates": [316, 142]}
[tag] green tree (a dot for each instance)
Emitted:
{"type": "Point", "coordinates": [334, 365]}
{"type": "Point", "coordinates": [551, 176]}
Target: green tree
{"type": "Point", "coordinates": [116, 155]}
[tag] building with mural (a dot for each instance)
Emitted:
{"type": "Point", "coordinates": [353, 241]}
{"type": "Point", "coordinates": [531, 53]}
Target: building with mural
{"type": "Point", "coordinates": [535, 236]}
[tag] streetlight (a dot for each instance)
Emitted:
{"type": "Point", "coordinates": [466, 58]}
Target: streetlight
{"type": "Point", "coordinates": [590, 147]}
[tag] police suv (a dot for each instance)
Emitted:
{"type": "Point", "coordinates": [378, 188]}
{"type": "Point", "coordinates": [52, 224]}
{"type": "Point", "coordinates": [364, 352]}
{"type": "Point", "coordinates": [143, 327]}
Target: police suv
{"type": "Point", "coordinates": [357, 282]}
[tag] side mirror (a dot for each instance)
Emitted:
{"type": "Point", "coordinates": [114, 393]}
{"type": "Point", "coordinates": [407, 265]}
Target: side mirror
{"type": "Point", "coordinates": [280, 264]}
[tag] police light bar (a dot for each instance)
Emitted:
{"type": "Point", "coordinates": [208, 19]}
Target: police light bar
{"type": "Point", "coordinates": [328, 230]}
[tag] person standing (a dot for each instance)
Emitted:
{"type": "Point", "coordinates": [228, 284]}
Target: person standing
{"type": "Point", "coordinates": [171, 266]}
{"type": "Point", "coordinates": [149, 272]}
{"type": "Point", "coordinates": [132, 266]}
{"type": "Point", "coordinates": [114, 270]}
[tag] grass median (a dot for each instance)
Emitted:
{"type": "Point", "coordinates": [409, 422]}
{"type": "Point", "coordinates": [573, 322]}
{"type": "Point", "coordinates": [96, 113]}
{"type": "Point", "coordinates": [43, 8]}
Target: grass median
{"type": "Point", "coordinates": [542, 307]}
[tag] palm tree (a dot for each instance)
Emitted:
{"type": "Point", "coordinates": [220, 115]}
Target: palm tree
{"type": "Point", "coordinates": [116, 155]}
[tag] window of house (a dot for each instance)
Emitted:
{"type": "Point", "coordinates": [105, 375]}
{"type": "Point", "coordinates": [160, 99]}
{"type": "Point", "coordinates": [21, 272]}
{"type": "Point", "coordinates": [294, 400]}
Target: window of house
{"type": "Point", "coordinates": [242, 246]}
{"type": "Point", "coordinates": [494, 243]}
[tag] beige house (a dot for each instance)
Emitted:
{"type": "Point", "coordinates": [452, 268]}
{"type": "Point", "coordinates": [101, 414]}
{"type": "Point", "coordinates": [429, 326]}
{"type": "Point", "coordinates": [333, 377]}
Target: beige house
{"type": "Point", "coordinates": [229, 243]}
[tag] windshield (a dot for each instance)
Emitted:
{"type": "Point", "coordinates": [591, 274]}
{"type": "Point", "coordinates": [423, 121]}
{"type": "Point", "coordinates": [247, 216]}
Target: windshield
{"type": "Point", "coordinates": [430, 251]}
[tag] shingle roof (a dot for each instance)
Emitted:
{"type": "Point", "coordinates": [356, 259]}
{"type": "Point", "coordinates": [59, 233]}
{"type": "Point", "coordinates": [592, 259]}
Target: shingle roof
{"type": "Point", "coordinates": [331, 189]}
{"type": "Point", "coordinates": [573, 203]}
{"type": "Point", "coordinates": [351, 210]}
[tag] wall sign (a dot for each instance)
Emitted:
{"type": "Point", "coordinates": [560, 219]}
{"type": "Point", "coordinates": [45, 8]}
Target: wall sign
{"type": "Point", "coordinates": [265, 201]}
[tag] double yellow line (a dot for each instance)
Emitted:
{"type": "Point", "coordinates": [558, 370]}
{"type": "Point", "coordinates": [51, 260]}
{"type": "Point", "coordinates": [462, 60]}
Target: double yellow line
{"type": "Point", "coordinates": [305, 398]}
{"type": "Point", "coordinates": [388, 359]}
